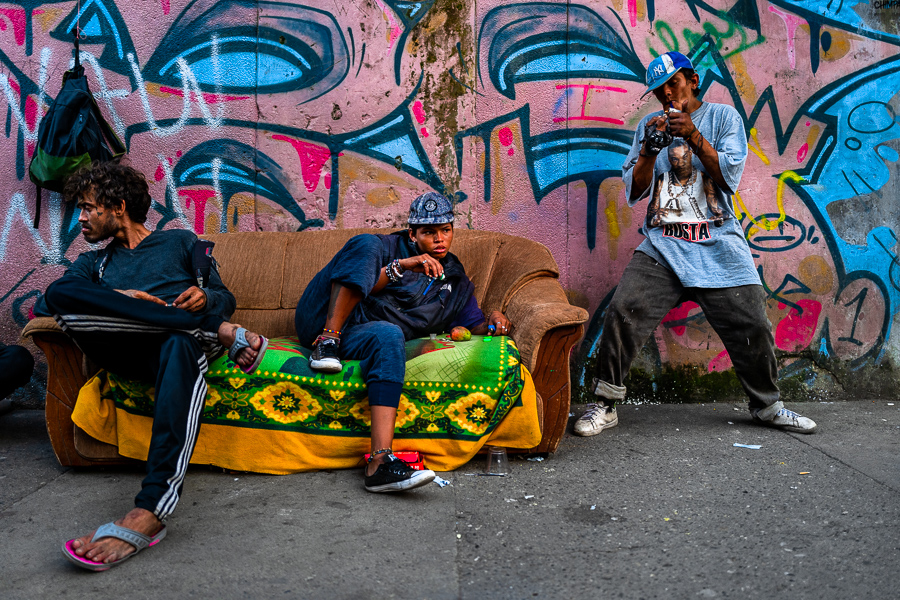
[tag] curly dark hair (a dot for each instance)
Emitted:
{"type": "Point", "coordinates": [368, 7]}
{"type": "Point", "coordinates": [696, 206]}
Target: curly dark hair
{"type": "Point", "coordinates": [112, 183]}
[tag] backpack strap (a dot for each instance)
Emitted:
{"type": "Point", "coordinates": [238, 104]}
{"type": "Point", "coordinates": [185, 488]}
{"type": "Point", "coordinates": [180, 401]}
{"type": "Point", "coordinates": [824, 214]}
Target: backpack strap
{"type": "Point", "coordinates": [37, 208]}
{"type": "Point", "coordinates": [202, 261]}
{"type": "Point", "coordinates": [111, 138]}
{"type": "Point", "coordinates": [103, 259]}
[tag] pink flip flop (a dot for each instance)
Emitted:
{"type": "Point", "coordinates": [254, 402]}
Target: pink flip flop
{"type": "Point", "coordinates": [135, 538]}
{"type": "Point", "coordinates": [240, 342]}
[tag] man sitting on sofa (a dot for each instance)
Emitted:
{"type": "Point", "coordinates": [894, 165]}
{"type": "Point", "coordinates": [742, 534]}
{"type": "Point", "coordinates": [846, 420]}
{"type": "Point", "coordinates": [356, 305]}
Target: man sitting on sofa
{"type": "Point", "coordinates": [135, 309]}
{"type": "Point", "coordinates": [378, 292]}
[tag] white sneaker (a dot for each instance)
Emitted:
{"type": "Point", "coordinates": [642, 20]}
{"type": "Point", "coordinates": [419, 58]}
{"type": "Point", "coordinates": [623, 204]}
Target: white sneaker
{"type": "Point", "coordinates": [595, 419]}
{"type": "Point", "coordinates": [781, 418]}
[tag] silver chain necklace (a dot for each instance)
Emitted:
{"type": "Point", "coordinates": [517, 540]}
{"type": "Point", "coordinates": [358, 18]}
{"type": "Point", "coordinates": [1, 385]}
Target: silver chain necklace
{"type": "Point", "coordinates": [674, 202]}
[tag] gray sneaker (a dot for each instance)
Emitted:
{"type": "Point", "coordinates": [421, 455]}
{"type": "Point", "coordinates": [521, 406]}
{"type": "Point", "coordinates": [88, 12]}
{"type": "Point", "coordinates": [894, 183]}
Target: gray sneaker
{"type": "Point", "coordinates": [325, 357]}
{"type": "Point", "coordinates": [781, 418]}
{"type": "Point", "coordinates": [595, 419]}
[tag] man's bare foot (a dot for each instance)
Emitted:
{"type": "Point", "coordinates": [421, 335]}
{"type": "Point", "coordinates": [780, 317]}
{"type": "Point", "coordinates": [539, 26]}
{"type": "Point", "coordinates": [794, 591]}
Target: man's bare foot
{"type": "Point", "coordinates": [107, 550]}
{"type": "Point", "coordinates": [247, 356]}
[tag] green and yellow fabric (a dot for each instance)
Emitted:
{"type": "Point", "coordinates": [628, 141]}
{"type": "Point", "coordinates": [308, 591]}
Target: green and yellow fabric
{"type": "Point", "coordinates": [285, 418]}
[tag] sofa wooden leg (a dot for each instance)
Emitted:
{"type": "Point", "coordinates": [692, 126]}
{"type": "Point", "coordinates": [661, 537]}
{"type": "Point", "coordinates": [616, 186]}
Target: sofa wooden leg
{"type": "Point", "coordinates": [551, 379]}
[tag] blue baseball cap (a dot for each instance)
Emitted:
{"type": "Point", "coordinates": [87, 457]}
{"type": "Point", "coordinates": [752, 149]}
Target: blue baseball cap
{"type": "Point", "coordinates": [431, 208]}
{"type": "Point", "coordinates": [663, 67]}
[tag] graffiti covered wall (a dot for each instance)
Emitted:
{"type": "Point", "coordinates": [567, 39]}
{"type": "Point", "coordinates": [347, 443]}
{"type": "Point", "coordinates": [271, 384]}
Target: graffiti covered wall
{"type": "Point", "coordinates": [307, 114]}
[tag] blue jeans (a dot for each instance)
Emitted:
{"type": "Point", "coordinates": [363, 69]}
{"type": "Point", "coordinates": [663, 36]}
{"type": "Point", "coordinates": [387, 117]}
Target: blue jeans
{"type": "Point", "coordinates": [378, 345]}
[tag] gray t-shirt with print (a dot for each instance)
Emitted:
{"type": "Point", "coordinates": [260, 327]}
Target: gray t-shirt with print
{"type": "Point", "coordinates": [700, 253]}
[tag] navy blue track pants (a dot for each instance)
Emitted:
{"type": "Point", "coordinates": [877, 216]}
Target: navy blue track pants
{"type": "Point", "coordinates": [166, 346]}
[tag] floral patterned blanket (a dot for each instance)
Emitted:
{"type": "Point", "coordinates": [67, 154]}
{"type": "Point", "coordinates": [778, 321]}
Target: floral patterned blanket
{"type": "Point", "coordinates": [285, 418]}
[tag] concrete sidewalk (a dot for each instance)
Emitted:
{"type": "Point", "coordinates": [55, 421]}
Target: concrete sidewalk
{"type": "Point", "coordinates": [663, 506]}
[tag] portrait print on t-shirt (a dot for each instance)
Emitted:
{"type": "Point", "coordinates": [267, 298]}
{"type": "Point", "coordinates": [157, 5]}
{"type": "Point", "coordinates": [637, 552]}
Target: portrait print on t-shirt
{"type": "Point", "coordinates": [682, 198]}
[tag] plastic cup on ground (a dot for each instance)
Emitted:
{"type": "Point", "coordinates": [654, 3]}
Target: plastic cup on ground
{"type": "Point", "coordinates": [496, 462]}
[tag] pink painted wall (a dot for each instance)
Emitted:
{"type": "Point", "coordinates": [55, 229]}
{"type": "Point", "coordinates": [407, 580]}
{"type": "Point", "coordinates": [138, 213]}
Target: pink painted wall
{"type": "Point", "coordinates": [337, 115]}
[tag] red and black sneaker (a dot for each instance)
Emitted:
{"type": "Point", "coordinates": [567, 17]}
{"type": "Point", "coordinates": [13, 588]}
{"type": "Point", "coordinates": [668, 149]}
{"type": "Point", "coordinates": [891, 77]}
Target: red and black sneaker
{"type": "Point", "coordinates": [394, 475]}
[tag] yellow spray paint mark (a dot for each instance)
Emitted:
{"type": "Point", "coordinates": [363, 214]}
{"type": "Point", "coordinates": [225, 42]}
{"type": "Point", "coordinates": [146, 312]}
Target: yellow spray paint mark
{"type": "Point", "coordinates": [768, 224]}
{"type": "Point", "coordinates": [739, 209]}
{"type": "Point", "coordinates": [612, 227]}
{"type": "Point", "coordinates": [153, 90]}
{"type": "Point", "coordinates": [498, 181]}
{"type": "Point", "coordinates": [813, 135]}
{"type": "Point", "coordinates": [816, 274]}
{"type": "Point", "coordinates": [382, 197]}
{"type": "Point", "coordinates": [742, 79]}
{"type": "Point", "coordinates": [840, 43]}
{"type": "Point", "coordinates": [48, 17]}
{"type": "Point", "coordinates": [612, 219]}
{"type": "Point", "coordinates": [239, 205]}
{"type": "Point", "coordinates": [758, 150]}
{"type": "Point", "coordinates": [611, 189]}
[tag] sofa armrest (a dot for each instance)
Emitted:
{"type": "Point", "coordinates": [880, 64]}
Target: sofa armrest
{"type": "Point", "coordinates": [41, 325]}
{"type": "Point", "coordinates": [545, 327]}
{"type": "Point", "coordinates": [65, 376]}
{"type": "Point", "coordinates": [67, 371]}
{"type": "Point", "coordinates": [536, 308]}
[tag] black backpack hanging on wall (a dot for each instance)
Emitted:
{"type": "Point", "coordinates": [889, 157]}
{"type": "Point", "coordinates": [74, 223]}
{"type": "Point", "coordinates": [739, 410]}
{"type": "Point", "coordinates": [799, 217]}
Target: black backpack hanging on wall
{"type": "Point", "coordinates": [72, 134]}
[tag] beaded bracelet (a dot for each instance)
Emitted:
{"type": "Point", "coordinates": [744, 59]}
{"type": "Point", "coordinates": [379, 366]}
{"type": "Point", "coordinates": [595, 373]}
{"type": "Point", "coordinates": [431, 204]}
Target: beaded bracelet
{"type": "Point", "coordinates": [377, 452]}
{"type": "Point", "coordinates": [333, 332]}
{"type": "Point", "coordinates": [337, 340]}
{"type": "Point", "coordinates": [394, 271]}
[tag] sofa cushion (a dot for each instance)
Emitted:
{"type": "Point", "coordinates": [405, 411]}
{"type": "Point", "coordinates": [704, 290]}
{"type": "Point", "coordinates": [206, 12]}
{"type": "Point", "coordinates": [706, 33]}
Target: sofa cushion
{"type": "Point", "coordinates": [270, 323]}
{"type": "Point", "coordinates": [251, 265]}
{"type": "Point", "coordinates": [477, 251]}
{"type": "Point", "coordinates": [305, 256]}
{"type": "Point", "coordinates": [519, 260]}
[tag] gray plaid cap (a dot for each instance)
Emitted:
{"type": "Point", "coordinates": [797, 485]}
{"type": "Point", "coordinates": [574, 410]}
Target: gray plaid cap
{"type": "Point", "coordinates": [431, 209]}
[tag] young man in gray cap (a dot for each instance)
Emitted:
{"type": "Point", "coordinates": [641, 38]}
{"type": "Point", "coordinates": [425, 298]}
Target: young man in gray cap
{"type": "Point", "coordinates": [376, 293]}
{"type": "Point", "coordinates": [695, 248]}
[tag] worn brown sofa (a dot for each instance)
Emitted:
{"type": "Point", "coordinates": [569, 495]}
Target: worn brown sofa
{"type": "Point", "coordinates": [267, 272]}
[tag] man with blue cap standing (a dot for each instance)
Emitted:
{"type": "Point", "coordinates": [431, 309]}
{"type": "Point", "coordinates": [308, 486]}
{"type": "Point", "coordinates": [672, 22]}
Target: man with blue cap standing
{"type": "Point", "coordinates": [694, 249]}
{"type": "Point", "coordinates": [376, 293]}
